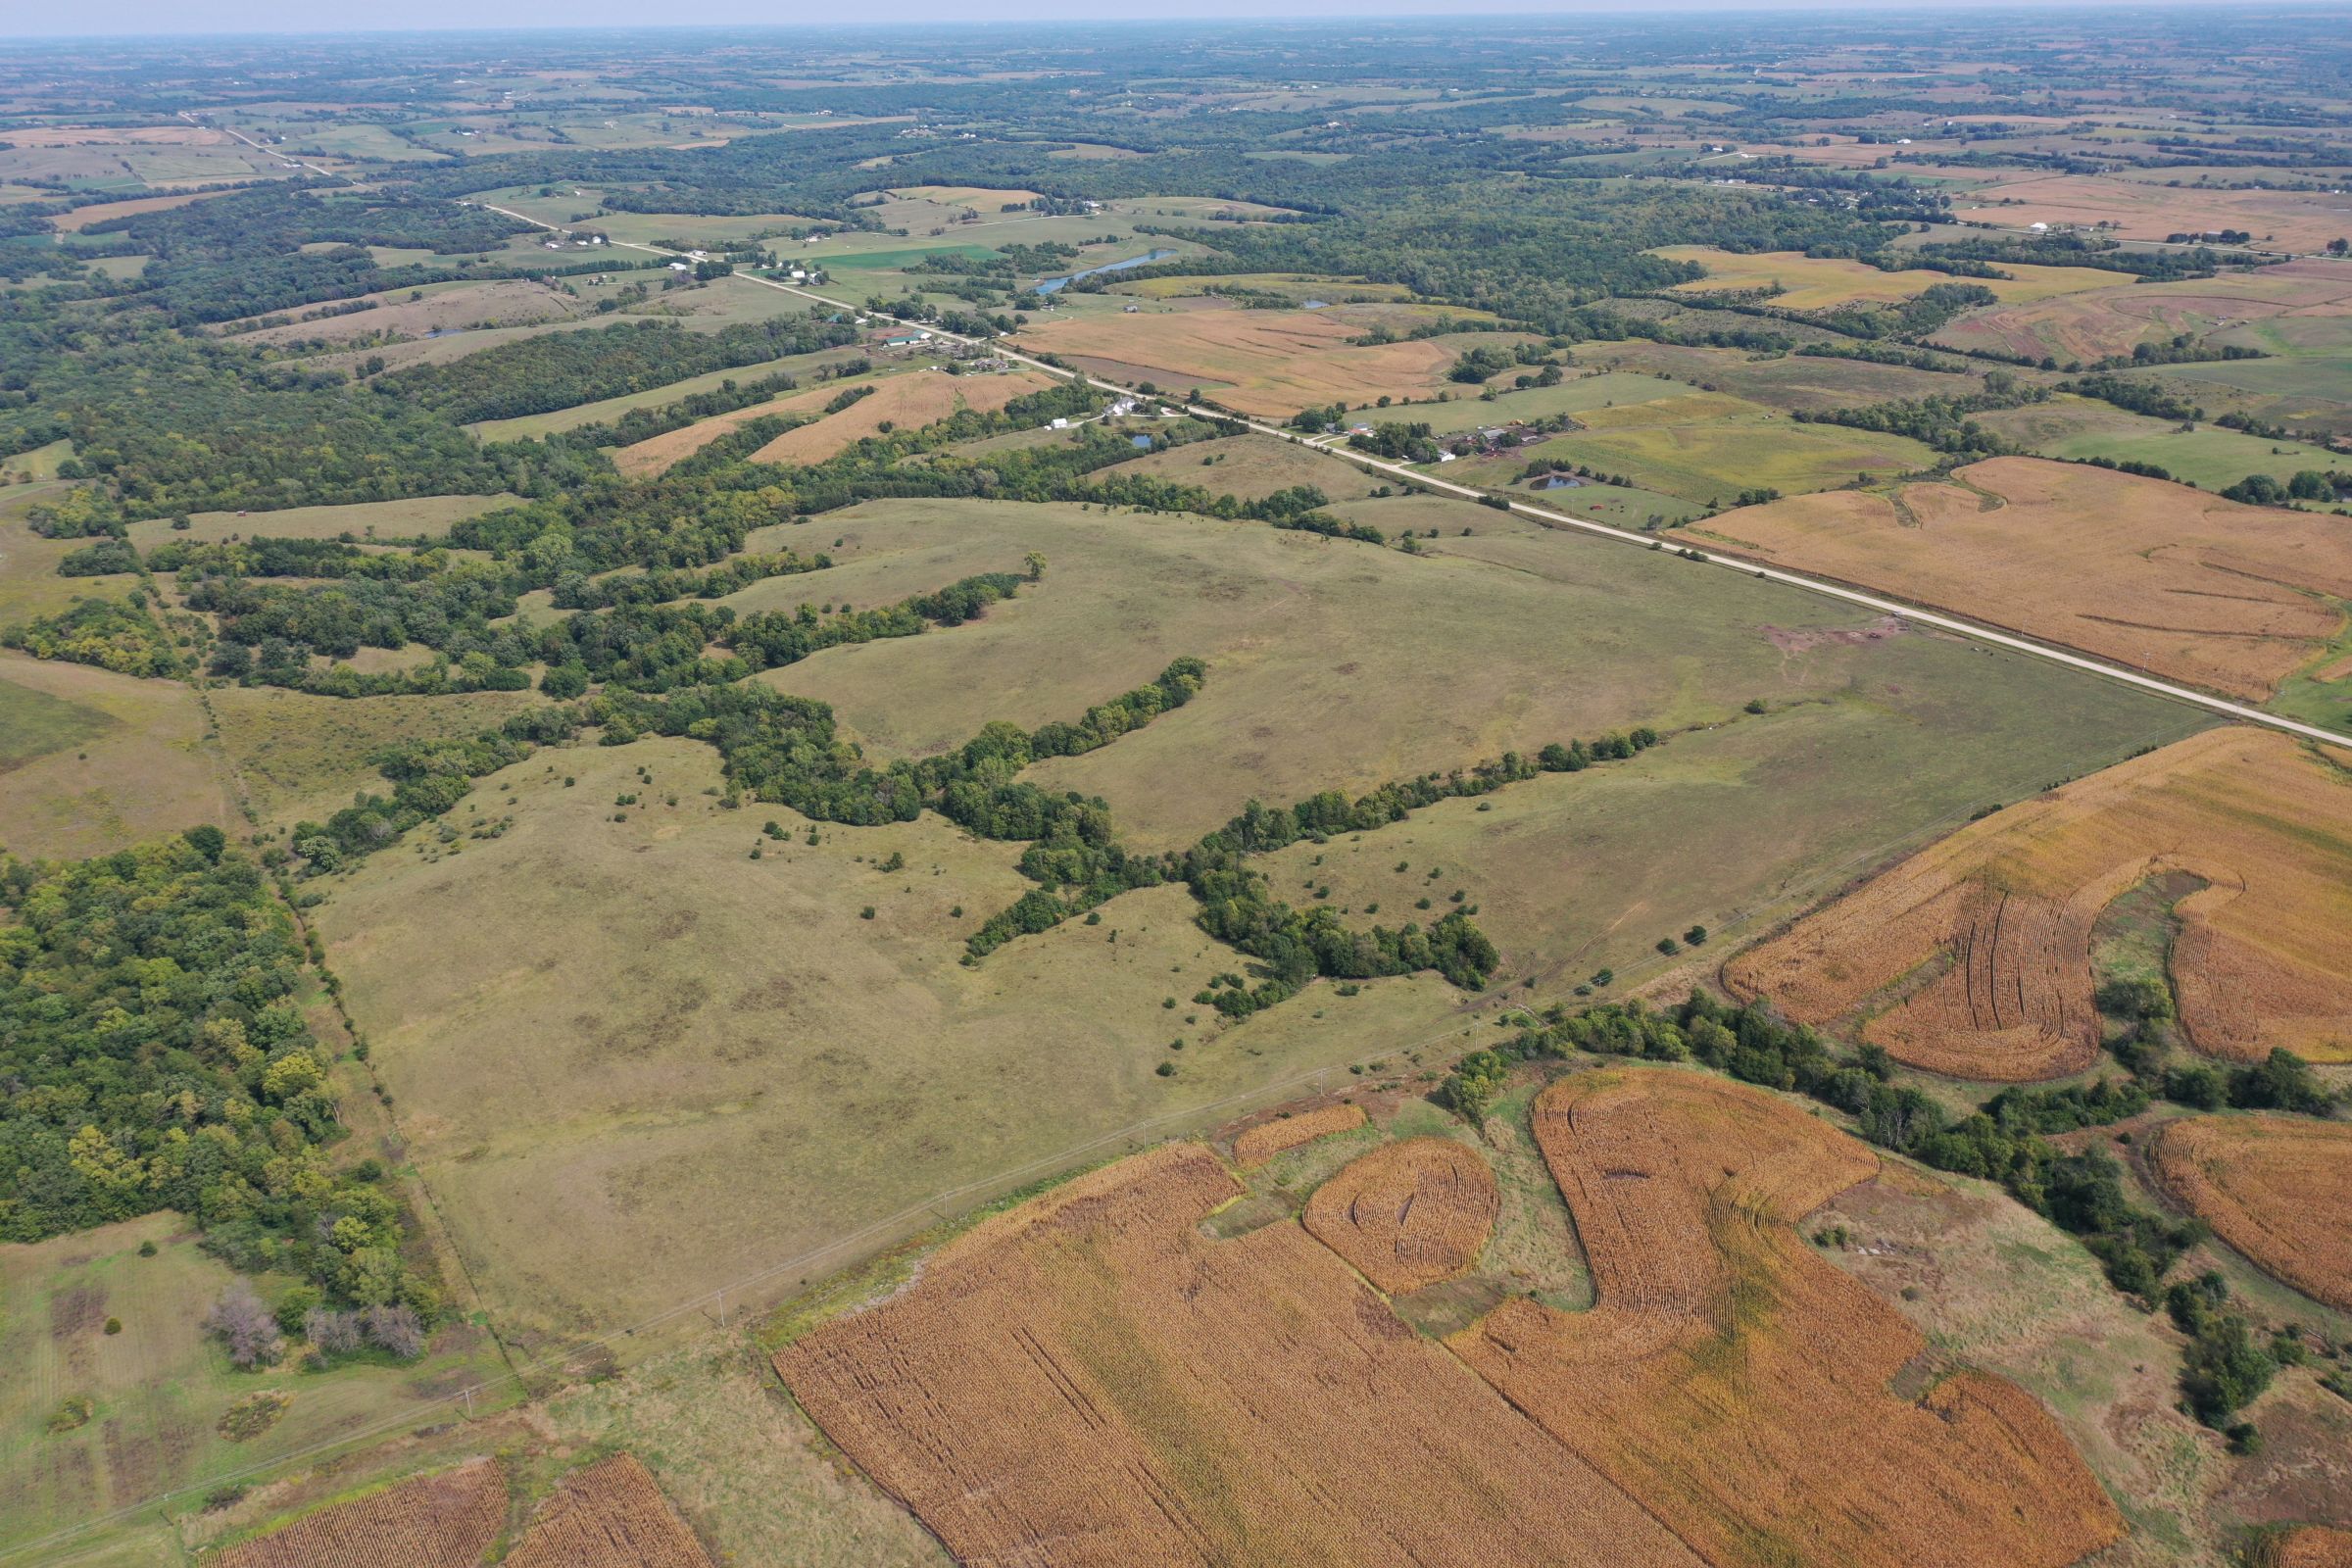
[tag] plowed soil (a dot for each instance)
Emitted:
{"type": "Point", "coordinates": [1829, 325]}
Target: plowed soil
{"type": "Point", "coordinates": [1973, 957]}
{"type": "Point", "coordinates": [1407, 1214]}
{"type": "Point", "coordinates": [446, 1520]}
{"type": "Point", "coordinates": [2157, 576]}
{"type": "Point", "coordinates": [1087, 1380]}
{"type": "Point", "coordinates": [610, 1514]}
{"type": "Point", "coordinates": [1766, 1406]}
{"type": "Point", "coordinates": [2277, 1189]}
{"type": "Point", "coordinates": [1267, 1139]}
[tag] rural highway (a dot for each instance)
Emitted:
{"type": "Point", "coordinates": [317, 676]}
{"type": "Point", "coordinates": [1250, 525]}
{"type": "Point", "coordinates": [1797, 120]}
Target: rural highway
{"type": "Point", "coordinates": [1550, 518]}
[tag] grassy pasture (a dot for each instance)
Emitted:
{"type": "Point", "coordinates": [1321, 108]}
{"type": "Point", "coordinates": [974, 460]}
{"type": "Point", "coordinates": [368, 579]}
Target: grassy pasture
{"type": "Point", "coordinates": [694, 1026]}
{"type": "Point", "coordinates": [1251, 466]}
{"type": "Point", "coordinates": [160, 1386]}
{"type": "Point", "coordinates": [29, 585]}
{"type": "Point", "coordinates": [137, 763]}
{"type": "Point", "coordinates": [1710, 458]}
{"type": "Point", "coordinates": [612, 408]}
{"type": "Point", "coordinates": [303, 756]}
{"type": "Point", "coordinates": [429, 516]}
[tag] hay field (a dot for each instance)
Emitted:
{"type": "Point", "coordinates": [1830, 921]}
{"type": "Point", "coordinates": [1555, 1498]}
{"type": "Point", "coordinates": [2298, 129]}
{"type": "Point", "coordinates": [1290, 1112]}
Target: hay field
{"type": "Point", "coordinates": [604, 410]}
{"type": "Point", "coordinates": [418, 516]}
{"type": "Point", "coordinates": [2278, 220]}
{"type": "Point", "coordinates": [1764, 1405]}
{"type": "Point", "coordinates": [453, 308]}
{"type": "Point", "coordinates": [2277, 1189]}
{"type": "Point", "coordinates": [610, 1514]}
{"type": "Point", "coordinates": [302, 756]}
{"type": "Point", "coordinates": [1974, 957]}
{"type": "Point", "coordinates": [2155, 575]}
{"type": "Point", "coordinates": [2114, 320]}
{"type": "Point", "coordinates": [1267, 1139]}
{"type": "Point", "coordinates": [657, 454]}
{"type": "Point", "coordinates": [1087, 1380]}
{"type": "Point", "coordinates": [1822, 284]}
{"type": "Point", "coordinates": [2209, 457]}
{"type": "Point", "coordinates": [909, 402]}
{"type": "Point", "coordinates": [1253, 467]}
{"type": "Point", "coordinates": [601, 1036]}
{"type": "Point", "coordinates": [1706, 448]}
{"type": "Point", "coordinates": [1271, 363]}
{"type": "Point", "coordinates": [1793, 382]}
{"type": "Point", "coordinates": [444, 1520]}
{"type": "Point", "coordinates": [1407, 1214]}
{"type": "Point", "coordinates": [140, 765]}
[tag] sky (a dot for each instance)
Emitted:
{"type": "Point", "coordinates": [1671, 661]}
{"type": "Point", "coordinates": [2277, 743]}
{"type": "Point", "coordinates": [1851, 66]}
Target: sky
{"type": "Point", "coordinates": [119, 18]}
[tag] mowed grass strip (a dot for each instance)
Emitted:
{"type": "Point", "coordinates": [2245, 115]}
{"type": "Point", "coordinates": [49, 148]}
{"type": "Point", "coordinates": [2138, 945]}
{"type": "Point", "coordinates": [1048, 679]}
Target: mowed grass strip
{"type": "Point", "coordinates": [2156, 576]}
{"type": "Point", "coordinates": [1972, 958]}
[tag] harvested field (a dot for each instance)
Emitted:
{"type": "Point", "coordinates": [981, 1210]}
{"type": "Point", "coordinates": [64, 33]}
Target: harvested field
{"type": "Point", "coordinates": [1275, 362]}
{"type": "Point", "coordinates": [1250, 467]}
{"type": "Point", "coordinates": [907, 401]}
{"type": "Point", "coordinates": [1267, 1139]}
{"type": "Point", "coordinates": [1819, 284]}
{"type": "Point", "coordinates": [2278, 1190]}
{"type": "Point", "coordinates": [1973, 957]}
{"type": "Point", "coordinates": [612, 1514]}
{"type": "Point", "coordinates": [657, 454]}
{"type": "Point", "coordinates": [446, 1520]}
{"type": "Point", "coordinates": [2278, 220]}
{"type": "Point", "coordinates": [1087, 1380]}
{"type": "Point", "coordinates": [2311, 1547]}
{"type": "Point", "coordinates": [2151, 575]}
{"type": "Point", "coordinates": [1764, 1405]}
{"type": "Point", "coordinates": [1407, 1214]}
{"type": "Point", "coordinates": [2115, 321]}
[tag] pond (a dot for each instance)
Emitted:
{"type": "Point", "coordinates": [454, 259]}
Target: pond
{"type": "Point", "coordinates": [1049, 285]}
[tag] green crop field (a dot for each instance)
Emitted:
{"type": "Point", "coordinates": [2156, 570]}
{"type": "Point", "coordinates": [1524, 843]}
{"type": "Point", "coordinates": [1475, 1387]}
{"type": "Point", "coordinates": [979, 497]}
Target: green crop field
{"type": "Point", "coordinates": [2209, 457]}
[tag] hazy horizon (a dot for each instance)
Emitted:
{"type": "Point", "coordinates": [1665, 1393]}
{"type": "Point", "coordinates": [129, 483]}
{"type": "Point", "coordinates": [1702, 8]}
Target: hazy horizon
{"type": "Point", "coordinates": [154, 19]}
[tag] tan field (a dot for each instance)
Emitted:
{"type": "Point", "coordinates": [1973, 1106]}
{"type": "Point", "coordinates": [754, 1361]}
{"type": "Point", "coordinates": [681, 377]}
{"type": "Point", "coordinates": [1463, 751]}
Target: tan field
{"type": "Point", "coordinates": [133, 763]}
{"type": "Point", "coordinates": [2278, 1190]}
{"type": "Point", "coordinates": [657, 454]}
{"type": "Point", "coordinates": [1765, 1406]}
{"type": "Point", "coordinates": [1272, 363]}
{"type": "Point", "coordinates": [302, 756]}
{"type": "Point", "coordinates": [1087, 1380]}
{"type": "Point", "coordinates": [2278, 220]}
{"type": "Point", "coordinates": [2114, 320]}
{"type": "Point", "coordinates": [1973, 957]}
{"type": "Point", "coordinates": [446, 1520]}
{"type": "Point", "coordinates": [2312, 1547]}
{"type": "Point", "coordinates": [610, 1514]}
{"type": "Point", "coordinates": [917, 398]}
{"type": "Point", "coordinates": [2156, 576]}
{"type": "Point", "coordinates": [1819, 284]}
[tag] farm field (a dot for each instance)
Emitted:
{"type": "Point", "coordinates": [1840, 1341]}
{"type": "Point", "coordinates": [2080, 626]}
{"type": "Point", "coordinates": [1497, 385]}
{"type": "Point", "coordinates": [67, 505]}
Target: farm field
{"type": "Point", "coordinates": [604, 410]}
{"type": "Point", "coordinates": [1267, 1139]}
{"type": "Point", "coordinates": [916, 398]}
{"type": "Point", "coordinates": [2115, 319]}
{"type": "Point", "coordinates": [1253, 467]}
{"type": "Point", "coordinates": [1712, 1310]}
{"type": "Point", "coordinates": [2283, 220]}
{"type": "Point", "coordinates": [2210, 458]}
{"type": "Point", "coordinates": [763, 1031]}
{"type": "Point", "coordinates": [1822, 284]}
{"type": "Point", "coordinates": [2277, 1189]}
{"type": "Point", "coordinates": [444, 307]}
{"type": "Point", "coordinates": [419, 517]}
{"type": "Point", "coordinates": [1506, 641]}
{"type": "Point", "coordinates": [2313, 391]}
{"type": "Point", "coordinates": [1787, 383]}
{"type": "Point", "coordinates": [1408, 1214]}
{"type": "Point", "coordinates": [1266, 362]}
{"type": "Point", "coordinates": [2155, 575]}
{"type": "Point", "coordinates": [1705, 448]}
{"type": "Point", "coordinates": [1166, 1396]}
{"type": "Point", "coordinates": [1973, 957]}
{"type": "Point", "coordinates": [301, 756]}
{"type": "Point", "coordinates": [445, 1520]}
{"type": "Point", "coordinates": [104, 760]}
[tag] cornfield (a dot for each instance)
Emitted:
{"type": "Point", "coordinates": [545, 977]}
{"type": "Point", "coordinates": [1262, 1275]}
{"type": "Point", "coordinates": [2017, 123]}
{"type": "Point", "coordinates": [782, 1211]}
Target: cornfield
{"type": "Point", "coordinates": [1085, 1380]}
{"type": "Point", "coordinates": [446, 1520]}
{"type": "Point", "coordinates": [610, 1514]}
{"type": "Point", "coordinates": [2312, 1547]}
{"type": "Point", "coordinates": [1741, 1387]}
{"type": "Point", "coordinates": [1973, 957]}
{"type": "Point", "coordinates": [1261, 1143]}
{"type": "Point", "coordinates": [1407, 1214]}
{"type": "Point", "coordinates": [2277, 1189]}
